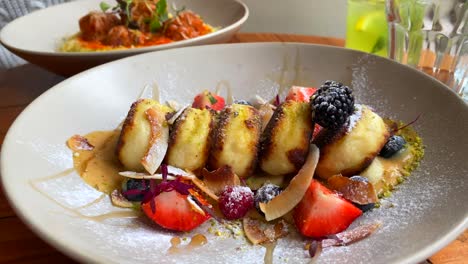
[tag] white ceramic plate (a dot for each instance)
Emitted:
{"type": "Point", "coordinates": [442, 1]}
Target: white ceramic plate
{"type": "Point", "coordinates": [429, 209]}
{"type": "Point", "coordinates": [36, 37]}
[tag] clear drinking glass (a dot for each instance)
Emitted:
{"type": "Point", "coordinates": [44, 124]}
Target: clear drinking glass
{"type": "Point", "coordinates": [431, 35]}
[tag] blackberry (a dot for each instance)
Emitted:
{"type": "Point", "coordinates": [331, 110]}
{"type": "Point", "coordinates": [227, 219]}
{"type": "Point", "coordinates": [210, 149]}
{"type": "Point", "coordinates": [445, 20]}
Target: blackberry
{"type": "Point", "coordinates": [332, 105]}
{"type": "Point", "coordinates": [393, 145]}
{"type": "Point", "coordinates": [267, 192]}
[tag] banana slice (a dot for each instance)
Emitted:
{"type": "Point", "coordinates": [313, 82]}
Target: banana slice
{"type": "Point", "coordinates": [353, 149]}
{"type": "Point", "coordinates": [137, 132]}
{"type": "Point", "coordinates": [189, 142]}
{"type": "Point", "coordinates": [236, 138]}
{"type": "Point", "coordinates": [285, 141]}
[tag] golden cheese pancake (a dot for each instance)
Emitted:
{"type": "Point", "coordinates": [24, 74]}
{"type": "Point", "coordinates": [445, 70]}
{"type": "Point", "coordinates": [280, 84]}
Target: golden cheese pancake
{"type": "Point", "coordinates": [352, 149]}
{"type": "Point", "coordinates": [136, 133]}
{"type": "Point", "coordinates": [189, 142]}
{"type": "Point", "coordinates": [285, 141]}
{"type": "Point", "coordinates": [236, 139]}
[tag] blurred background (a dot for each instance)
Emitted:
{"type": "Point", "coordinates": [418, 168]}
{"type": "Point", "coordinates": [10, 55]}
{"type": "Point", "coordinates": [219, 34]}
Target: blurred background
{"type": "Point", "coordinates": [308, 17]}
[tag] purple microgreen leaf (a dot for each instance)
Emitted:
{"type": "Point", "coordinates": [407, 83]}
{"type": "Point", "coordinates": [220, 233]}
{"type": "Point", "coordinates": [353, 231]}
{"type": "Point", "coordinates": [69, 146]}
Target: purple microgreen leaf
{"type": "Point", "coordinates": [164, 172]}
{"type": "Point", "coordinates": [410, 123]}
{"type": "Point", "coordinates": [152, 185]}
{"type": "Point", "coordinates": [148, 196]}
{"type": "Point", "coordinates": [277, 100]}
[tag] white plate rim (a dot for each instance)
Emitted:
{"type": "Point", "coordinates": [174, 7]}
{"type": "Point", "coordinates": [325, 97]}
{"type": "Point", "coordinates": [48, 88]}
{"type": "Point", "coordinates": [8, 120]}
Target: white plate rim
{"type": "Point", "coordinates": [171, 45]}
{"type": "Point", "coordinates": [417, 257]}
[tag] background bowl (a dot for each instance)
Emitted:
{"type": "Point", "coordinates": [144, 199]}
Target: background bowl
{"type": "Point", "coordinates": [423, 214]}
{"type": "Point", "coordinates": [41, 33]}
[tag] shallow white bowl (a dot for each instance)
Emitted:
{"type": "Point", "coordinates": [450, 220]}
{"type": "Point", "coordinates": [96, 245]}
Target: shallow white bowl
{"type": "Point", "coordinates": [36, 37]}
{"type": "Point", "coordinates": [428, 210]}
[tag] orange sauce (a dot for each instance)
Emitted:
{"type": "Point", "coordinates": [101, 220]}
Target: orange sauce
{"type": "Point", "coordinates": [150, 39]}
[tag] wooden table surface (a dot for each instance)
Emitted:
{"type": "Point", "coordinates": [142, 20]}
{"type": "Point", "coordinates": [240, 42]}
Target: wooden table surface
{"type": "Point", "coordinates": [20, 86]}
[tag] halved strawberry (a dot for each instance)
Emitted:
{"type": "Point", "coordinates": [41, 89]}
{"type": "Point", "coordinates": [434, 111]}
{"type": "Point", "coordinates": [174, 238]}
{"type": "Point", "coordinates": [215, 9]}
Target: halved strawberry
{"type": "Point", "coordinates": [317, 129]}
{"type": "Point", "coordinates": [173, 211]}
{"type": "Point", "coordinates": [208, 100]}
{"type": "Point", "coordinates": [322, 212]}
{"type": "Point", "coordinates": [300, 94]}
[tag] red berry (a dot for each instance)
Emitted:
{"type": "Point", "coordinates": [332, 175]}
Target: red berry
{"type": "Point", "coordinates": [174, 212]}
{"type": "Point", "coordinates": [300, 94]}
{"type": "Point", "coordinates": [322, 212]}
{"type": "Point", "coordinates": [207, 99]}
{"type": "Point", "coordinates": [236, 201]}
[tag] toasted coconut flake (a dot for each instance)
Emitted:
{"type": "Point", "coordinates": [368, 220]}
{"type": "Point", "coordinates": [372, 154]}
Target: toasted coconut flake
{"type": "Point", "coordinates": [359, 192]}
{"type": "Point", "coordinates": [179, 172]}
{"type": "Point", "coordinates": [173, 104]}
{"type": "Point", "coordinates": [201, 185]}
{"type": "Point", "coordinates": [351, 236]}
{"type": "Point", "coordinates": [176, 115]}
{"type": "Point", "coordinates": [229, 97]}
{"type": "Point", "coordinates": [258, 231]}
{"type": "Point", "coordinates": [172, 171]}
{"type": "Point", "coordinates": [194, 205]}
{"type": "Point", "coordinates": [266, 112]}
{"type": "Point", "coordinates": [77, 142]}
{"type": "Point", "coordinates": [144, 176]}
{"type": "Point", "coordinates": [257, 101]}
{"type": "Point", "coordinates": [292, 195]}
{"type": "Point", "coordinates": [119, 200]}
{"type": "Point", "coordinates": [218, 179]}
{"type": "Point", "coordinates": [145, 92]}
{"type": "Point", "coordinates": [159, 141]}
{"type": "Point", "coordinates": [156, 92]}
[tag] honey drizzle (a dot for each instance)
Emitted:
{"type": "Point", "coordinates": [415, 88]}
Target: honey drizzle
{"type": "Point", "coordinates": [197, 240]}
{"type": "Point", "coordinates": [55, 176]}
{"type": "Point", "coordinates": [270, 247]}
{"type": "Point", "coordinates": [92, 203]}
{"type": "Point", "coordinates": [75, 211]}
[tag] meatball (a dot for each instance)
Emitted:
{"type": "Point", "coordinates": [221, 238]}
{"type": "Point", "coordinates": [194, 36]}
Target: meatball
{"type": "Point", "coordinates": [186, 25]}
{"type": "Point", "coordinates": [94, 26]}
{"type": "Point", "coordinates": [122, 36]}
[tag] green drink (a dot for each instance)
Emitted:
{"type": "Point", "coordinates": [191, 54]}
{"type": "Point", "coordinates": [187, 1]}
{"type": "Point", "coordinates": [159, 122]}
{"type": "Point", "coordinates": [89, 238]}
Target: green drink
{"type": "Point", "coordinates": [366, 27]}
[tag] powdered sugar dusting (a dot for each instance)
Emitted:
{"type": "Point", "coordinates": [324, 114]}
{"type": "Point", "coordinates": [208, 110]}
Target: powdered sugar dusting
{"type": "Point", "coordinates": [420, 212]}
{"type": "Point", "coordinates": [355, 117]}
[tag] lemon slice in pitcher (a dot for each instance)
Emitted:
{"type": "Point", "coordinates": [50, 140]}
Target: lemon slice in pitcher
{"type": "Point", "coordinates": [372, 30]}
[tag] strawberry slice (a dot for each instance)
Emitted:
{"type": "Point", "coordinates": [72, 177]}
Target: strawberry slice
{"type": "Point", "coordinates": [322, 212]}
{"type": "Point", "coordinates": [208, 100]}
{"type": "Point", "coordinates": [300, 94]}
{"type": "Point", "coordinates": [173, 211]}
{"type": "Point", "coordinates": [317, 129]}
{"type": "Point", "coordinates": [303, 94]}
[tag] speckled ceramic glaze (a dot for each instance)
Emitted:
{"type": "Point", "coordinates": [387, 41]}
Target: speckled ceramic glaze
{"type": "Point", "coordinates": [44, 30]}
{"type": "Point", "coordinates": [423, 214]}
